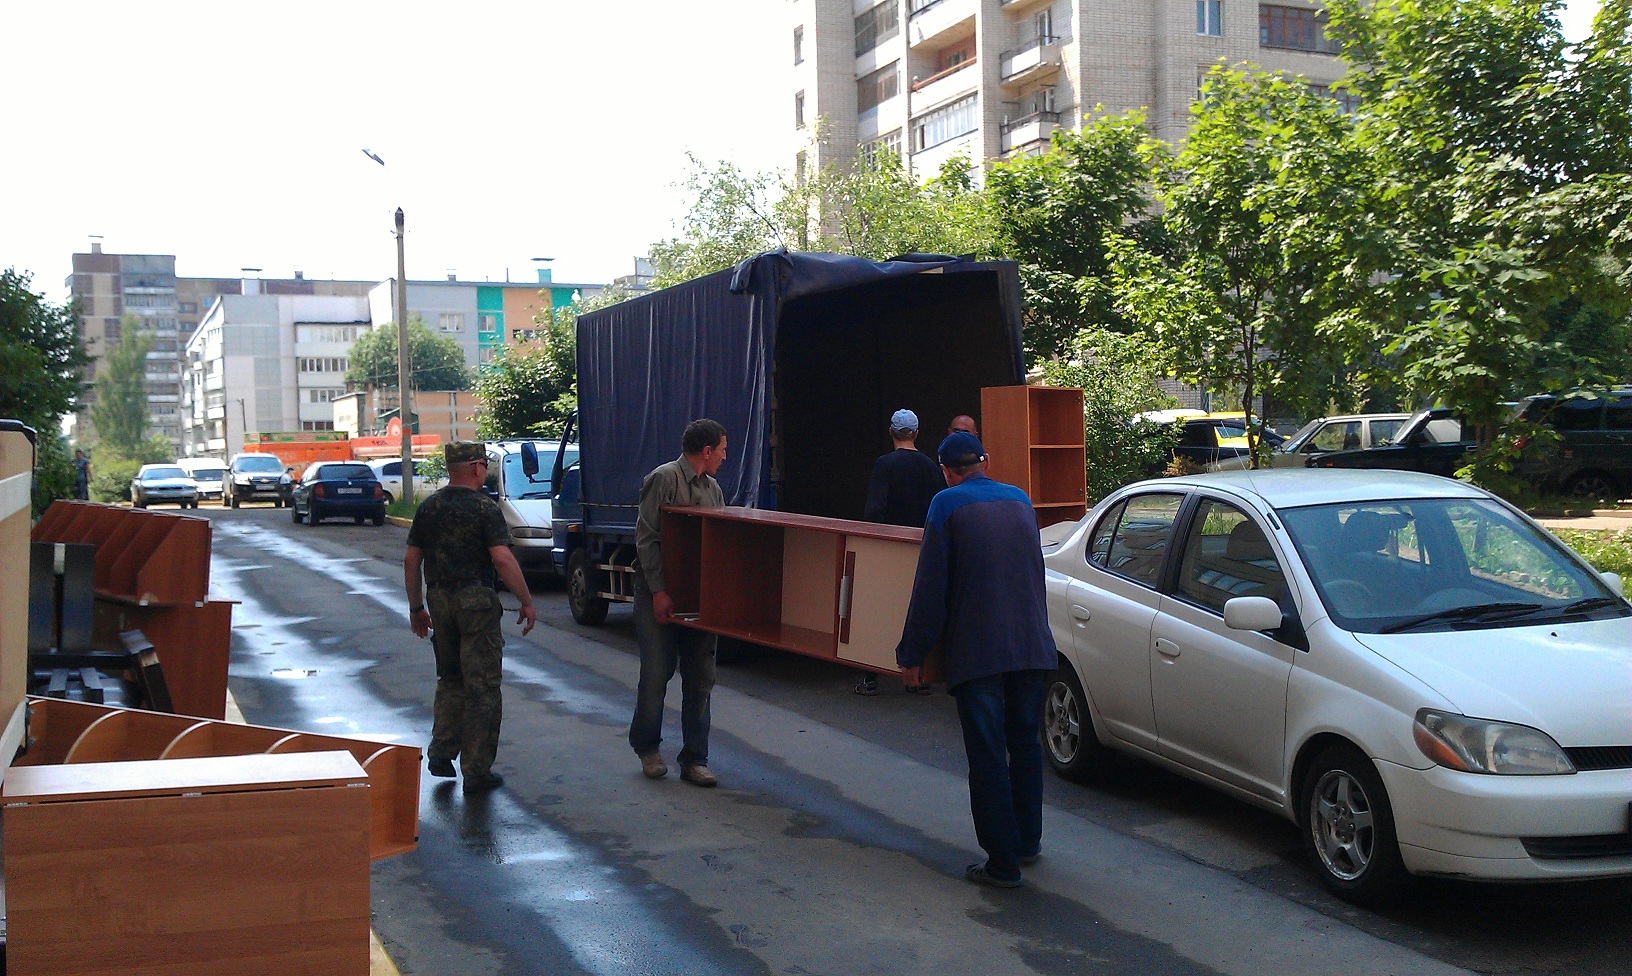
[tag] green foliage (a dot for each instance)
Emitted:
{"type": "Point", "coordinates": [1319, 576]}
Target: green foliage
{"type": "Point", "coordinates": [1054, 213]}
{"type": "Point", "coordinates": [40, 356]}
{"type": "Point", "coordinates": [111, 475]}
{"type": "Point", "coordinates": [120, 413]}
{"type": "Point", "coordinates": [438, 361]}
{"type": "Point", "coordinates": [403, 508]}
{"type": "Point", "coordinates": [434, 468]}
{"type": "Point", "coordinates": [1118, 375]}
{"type": "Point", "coordinates": [53, 471]}
{"type": "Point", "coordinates": [1607, 552]}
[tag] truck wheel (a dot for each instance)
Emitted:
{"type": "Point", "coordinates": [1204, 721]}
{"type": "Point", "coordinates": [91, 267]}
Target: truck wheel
{"type": "Point", "coordinates": [583, 582]}
{"type": "Point", "coordinates": [1069, 741]}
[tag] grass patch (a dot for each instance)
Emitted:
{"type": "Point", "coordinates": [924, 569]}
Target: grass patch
{"type": "Point", "coordinates": [402, 507]}
{"type": "Point", "coordinates": [1608, 552]}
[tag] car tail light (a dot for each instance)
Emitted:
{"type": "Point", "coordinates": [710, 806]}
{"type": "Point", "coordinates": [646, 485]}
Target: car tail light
{"type": "Point", "coordinates": [1519, 442]}
{"type": "Point", "coordinates": [317, 491]}
{"type": "Point", "coordinates": [379, 490]}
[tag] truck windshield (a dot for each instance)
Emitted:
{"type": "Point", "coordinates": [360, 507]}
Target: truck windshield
{"type": "Point", "coordinates": [516, 484]}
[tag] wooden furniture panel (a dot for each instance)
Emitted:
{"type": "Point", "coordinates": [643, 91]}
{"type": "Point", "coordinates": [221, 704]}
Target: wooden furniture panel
{"type": "Point", "coordinates": [194, 644]}
{"type": "Point", "coordinates": [811, 563]}
{"type": "Point", "coordinates": [880, 590]}
{"type": "Point", "coordinates": [145, 557]}
{"type": "Point", "coordinates": [1055, 415]}
{"type": "Point", "coordinates": [741, 580]}
{"type": "Point", "coordinates": [16, 512]}
{"type": "Point", "coordinates": [262, 862]}
{"type": "Point", "coordinates": [124, 735]}
{"type": "Point", "coordinates": [682, 559]}
{"type": "Point", "coordinates": [1034, 436]}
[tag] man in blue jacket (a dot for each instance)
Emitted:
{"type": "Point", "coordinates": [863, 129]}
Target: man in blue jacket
{"type": "Point", "coordinates": [979, 592]}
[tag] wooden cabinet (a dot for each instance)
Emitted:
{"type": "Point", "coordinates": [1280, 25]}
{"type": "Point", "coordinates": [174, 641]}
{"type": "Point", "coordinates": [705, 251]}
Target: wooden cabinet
{"type": "Point", "coordinates": [826, 588]}
{"type": "Point", "coordinates": [248, 864]}
{"type": "Point", "coordinates": [1034, 436]}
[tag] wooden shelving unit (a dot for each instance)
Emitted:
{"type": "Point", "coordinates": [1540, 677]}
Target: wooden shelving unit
{"type": "Point", "coordinates": [825, 588]}
{"type": "Point", "coordinates": [1034, 437]}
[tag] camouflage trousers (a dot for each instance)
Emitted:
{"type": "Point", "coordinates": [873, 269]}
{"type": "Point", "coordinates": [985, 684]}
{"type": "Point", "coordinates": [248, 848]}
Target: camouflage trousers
{"type": "Point", "coordinates": [469, 660]}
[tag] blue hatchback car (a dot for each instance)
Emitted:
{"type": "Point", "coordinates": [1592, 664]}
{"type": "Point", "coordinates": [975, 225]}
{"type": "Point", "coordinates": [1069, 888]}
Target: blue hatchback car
{"type": "Point", "coordinates": [336, 489]}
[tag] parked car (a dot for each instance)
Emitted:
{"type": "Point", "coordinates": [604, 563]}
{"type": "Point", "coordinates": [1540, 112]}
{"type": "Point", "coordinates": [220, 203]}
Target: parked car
{"type": "Point", "coordinates": [1414, 672]}
{"type": "Point", "coordinates": [525, 500]}
{"type": "Point", "coordinates": [389, 472]}
{"type": "Point", "coordinates": [1325, 435]}
{"type": "Point", "coordinates": [1593, 459]}
{"type": "Point", "coordinates": [253, 477]}
{"type": "Point", "coordinates": [1209, 439]}
{"type": "Point", "coordinates": [163, 484]}
{"type": "Point", "coordinates": [1435, 441]}
{"type": "Point", "coordinates": [336, 489]}
{"type": "Point", "coordinates": [207, 473]}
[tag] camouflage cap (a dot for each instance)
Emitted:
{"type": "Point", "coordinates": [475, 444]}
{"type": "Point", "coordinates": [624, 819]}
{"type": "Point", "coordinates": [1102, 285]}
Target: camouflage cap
{"type": "Point", "coordinates": [456, 452]}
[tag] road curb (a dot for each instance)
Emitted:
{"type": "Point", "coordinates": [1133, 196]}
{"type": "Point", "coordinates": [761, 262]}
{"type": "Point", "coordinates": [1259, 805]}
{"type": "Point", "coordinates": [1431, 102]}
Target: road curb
{"type": "Point", "coordinates": [399, 520]}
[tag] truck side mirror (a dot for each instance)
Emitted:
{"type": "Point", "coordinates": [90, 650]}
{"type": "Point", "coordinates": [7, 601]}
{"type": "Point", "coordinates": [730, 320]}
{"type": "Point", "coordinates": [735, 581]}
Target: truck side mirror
{"type": "Point", "coordinates": [529, 459]}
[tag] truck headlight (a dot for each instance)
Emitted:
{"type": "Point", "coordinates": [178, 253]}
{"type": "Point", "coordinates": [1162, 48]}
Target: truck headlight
{"type": "Point", "coordinates": [529, 532]}
{"type": "Point", "coordinates": [1476, 745]}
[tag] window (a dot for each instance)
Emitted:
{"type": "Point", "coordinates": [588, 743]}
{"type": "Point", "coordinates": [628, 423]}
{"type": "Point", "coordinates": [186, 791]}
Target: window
{"type": "Point", "coordinates": [341, 334]}
{"type": "Point", "coordinates": [1142, 531]}
{"type": "Point", "coordinates": [799, 110]}
{"type": "Point", "coordinates": [1296, 28]}
{"type": "Point", "coordinates": [945, 123]}
{"type": "Point", "coordinates": [451, 321]}
{"type": "Point", "coordinates": [1618, 415]}
{"type": "Point", "coordinates": [324, 395]}
{"type": "Point", "coordinates": [317, 425]}
{"type": "Point", "coordinates": [1578, 413]}
{"type": "Point", "coordinates": [800, 161]}
{"type": "Point", "coordinates": [324, 364]}
{"type": "Point", "coordinates": [1445, 430]}
{"type": "Point", "coordinates": [953, 56]}
{"type": "Point", "coordinates": [1227, 556]}
{"type": "Point", "coordinates": [1383, 431]}
{"type": "Point", "coordinates": [1335, 437]}
{"type": "Point", "coordinates": [878, 87]}
{"type": "Point", "coordinates": [1210, 17]}
{"type": "Point", "coordinates": [890, 142]}
{"type": "Point", "coordinates": [877, 26]}
{"type": "Point", "coordinates": [1044, 22]}
{"type": "Point", "coordinates": [486, 354]}
{"type": "Point", "coordinates": [487, 321]}
{"type": "Point", "coordinates": [798, 45]}
{"type": "Point", "coordinates": [1347, 102]}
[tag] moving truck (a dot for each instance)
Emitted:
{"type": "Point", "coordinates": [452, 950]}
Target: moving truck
{"type": "Point", "coordinates": [802, 357]}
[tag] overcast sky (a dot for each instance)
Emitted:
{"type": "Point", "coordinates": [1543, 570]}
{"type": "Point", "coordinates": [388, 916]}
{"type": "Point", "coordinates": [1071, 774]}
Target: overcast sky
{"type": "Point", "coordinates": [231, 134]}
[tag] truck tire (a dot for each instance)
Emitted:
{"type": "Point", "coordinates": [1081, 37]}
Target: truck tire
{"type": "Point", "coordinates": [583, 582]}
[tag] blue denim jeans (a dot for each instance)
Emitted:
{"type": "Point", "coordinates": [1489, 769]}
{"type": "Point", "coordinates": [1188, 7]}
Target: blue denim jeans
{"type": "Point", "coordinates": [663, 647]}
{"type": "Point", "coordinates": [1000, 714]}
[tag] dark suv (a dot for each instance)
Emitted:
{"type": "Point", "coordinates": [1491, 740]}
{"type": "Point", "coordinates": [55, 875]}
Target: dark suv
{"type": "Point", "coordinates": [252, 477]}
{"type": "Point", "coordinates": [1593, 459]}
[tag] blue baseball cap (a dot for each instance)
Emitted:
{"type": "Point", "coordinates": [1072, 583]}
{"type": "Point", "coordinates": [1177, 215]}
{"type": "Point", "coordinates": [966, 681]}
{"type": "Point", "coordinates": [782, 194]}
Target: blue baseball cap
{"type": "Point", "coordinates": [961, 449]}
{"type": "Point", "coordinates": [903, 420]}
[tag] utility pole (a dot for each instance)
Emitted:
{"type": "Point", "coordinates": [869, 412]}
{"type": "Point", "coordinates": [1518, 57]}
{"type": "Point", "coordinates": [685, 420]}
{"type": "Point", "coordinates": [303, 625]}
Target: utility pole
{"type": "Point", "coordinates": [405, 399]}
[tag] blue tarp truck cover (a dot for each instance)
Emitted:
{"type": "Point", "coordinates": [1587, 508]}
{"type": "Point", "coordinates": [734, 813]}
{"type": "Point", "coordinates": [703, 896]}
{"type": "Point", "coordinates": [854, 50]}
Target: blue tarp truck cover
{"type": "Point", "coordinates": [802, 357]}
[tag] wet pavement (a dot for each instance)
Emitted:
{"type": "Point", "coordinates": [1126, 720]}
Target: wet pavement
{"type": "Point", "coordinates": [837, 839]}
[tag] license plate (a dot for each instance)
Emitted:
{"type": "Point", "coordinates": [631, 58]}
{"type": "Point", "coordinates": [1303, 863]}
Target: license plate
{"type": "Point", "coordinates": [351, 491]}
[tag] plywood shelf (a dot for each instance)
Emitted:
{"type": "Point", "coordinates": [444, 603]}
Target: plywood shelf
{"type": "Point", "coordinates": [1034, 435]}
{"type": "Point", "coordinates": [147, 558]}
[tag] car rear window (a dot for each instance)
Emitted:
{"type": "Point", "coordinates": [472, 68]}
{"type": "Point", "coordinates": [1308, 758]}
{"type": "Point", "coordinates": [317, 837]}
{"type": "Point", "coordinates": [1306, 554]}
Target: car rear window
{"type": "Point", "coordinates": [1142, 530]}
{"type": "Point", "coordinates": [349, 472]}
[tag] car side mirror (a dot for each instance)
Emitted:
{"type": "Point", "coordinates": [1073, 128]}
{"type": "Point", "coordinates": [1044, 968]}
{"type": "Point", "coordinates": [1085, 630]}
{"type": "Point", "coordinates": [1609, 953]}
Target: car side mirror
{"type": "Point", "coordinates": [1252, 613]}
{"type": "Point", "coordinates": [1613, 581]}
{"type": "Point", "coordinates": [529, 459]}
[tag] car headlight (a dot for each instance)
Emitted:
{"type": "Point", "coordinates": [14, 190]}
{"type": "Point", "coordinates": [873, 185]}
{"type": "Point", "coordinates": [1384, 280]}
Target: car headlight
{"type": "Point", "coordinates": [529, 532]}
{"type": "Point", "coordinates": [1476, 745]}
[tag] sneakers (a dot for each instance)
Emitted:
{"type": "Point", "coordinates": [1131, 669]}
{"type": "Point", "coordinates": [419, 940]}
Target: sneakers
{"type": "Point", "coordinates": [653, 766]}
{"type": "Point", "coordinates": [440, 767]}
{"type": "Point", "coordinates": [697, 774]}
{"type": "Point", "coordinates": [868, 685]}
{"type": "Point", "coordinates": [491, 781]}
{"type": "Point", "coordinates": [977, 874]}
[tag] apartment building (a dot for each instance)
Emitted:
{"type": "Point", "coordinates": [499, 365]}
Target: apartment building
{"type": "Point", "coordinates": [932, 79]}
{"type": "Point", "coordinates": [264, 364]}
{"type": "Point", "coordinates": [481, 316]}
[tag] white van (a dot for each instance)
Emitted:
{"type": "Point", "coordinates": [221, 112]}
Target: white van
{"type": "Point", "coordinates": [208, 472]}
{"type": "Point", "coordinates": [525, 501]}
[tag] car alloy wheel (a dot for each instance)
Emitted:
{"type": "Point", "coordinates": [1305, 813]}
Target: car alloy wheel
{"type": "Point", "coordinates": [1069, 741]}
{"type": "Point", "coordinates": [1348, 826]}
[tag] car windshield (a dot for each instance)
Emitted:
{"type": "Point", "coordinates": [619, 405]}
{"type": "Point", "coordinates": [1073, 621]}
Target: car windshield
{"type": "Point", "coordinates": [516, 483]}
{"type": "Point", "coordinates": [154, 474]}
{"type": "Point", "coordinates": [1292, 443]}
{"type": "Point", "coordinates": [259, 464]}
{"type": "Point", "coordinates": [348, 472]}
{"type": "Point", "coordinates": [1441, 564]}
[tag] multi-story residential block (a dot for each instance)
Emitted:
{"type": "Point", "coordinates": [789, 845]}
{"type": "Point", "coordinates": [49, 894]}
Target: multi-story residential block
{"type": "Point", "coordinates": [933, 79]}
{"type": "Point", "coordinates": [481, 316]}
{"type": "Point", "coordinates": [264, 364]}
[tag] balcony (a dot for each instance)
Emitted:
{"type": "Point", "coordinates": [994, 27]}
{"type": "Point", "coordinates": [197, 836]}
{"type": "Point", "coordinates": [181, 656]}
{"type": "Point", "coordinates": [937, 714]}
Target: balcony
{"type": "Point", "coordinates": [1029, 130]}
{"type": "Point", "coordinates": [1033, 61]}
{"type": "Point", "coordinates": [944, 86]}
{"type": "Point", "coordinates": [1018, 5]}
{"type": "Point", "coordinates": [927, 162]}
{"type": "Point", "coordinates": [940, 20]}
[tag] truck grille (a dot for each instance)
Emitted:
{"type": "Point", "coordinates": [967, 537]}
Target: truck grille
{"type": "Point", "coordinates": [1586, 758]}
{"type": "Point", "coordinates": [1592, 845]}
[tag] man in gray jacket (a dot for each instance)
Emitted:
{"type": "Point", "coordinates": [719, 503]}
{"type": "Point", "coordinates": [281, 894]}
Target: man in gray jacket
{"type": "Point", "coordinates": [665, 645]}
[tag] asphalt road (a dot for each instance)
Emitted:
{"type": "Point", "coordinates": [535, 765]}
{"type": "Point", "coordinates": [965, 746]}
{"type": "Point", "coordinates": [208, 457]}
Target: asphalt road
{"type": "Point", "coordinates": [837, 839]}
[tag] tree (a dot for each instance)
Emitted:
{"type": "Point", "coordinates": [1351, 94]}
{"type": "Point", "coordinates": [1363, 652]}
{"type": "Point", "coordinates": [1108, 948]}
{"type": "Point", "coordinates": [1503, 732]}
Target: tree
{"type": "Point", "coordinates": [1262, 222]}
{"type": "Point", "coordinates": [121, 413]}
{"type": "Point", "coordinates": [1054, 212]}
{"type": "Point", "coordinates": [438, 361]}
{"type": "Point", "coordinates": [1118, 374]}
{"type": "Point", "coordinates": [40, 355]}
{"type": "Point", "coordinates": [529, 390]}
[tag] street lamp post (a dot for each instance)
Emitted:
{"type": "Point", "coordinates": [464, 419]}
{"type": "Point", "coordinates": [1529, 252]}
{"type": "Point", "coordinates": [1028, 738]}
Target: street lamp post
{"type": "Point", "coordinates": [405, 401]}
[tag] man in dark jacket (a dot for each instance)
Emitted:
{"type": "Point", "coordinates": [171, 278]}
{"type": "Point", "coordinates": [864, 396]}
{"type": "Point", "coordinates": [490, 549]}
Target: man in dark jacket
{"type": "Point", "coordinates": [904, 480]}
{"type": "Point", "coordinates": [979, 592]}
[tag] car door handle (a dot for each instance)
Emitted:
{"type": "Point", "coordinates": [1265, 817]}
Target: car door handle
{"type": "Point", "coordinates": [1166, 648]}
{"type": "Point", "coordinates": [1080, 612]}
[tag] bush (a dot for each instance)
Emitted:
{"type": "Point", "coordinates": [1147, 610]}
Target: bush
{"type": "Point", "coordinates": [1608, 552]}
{"type": "Point", "coordinates": [402, 507]}
{"type": "Point", "coordinates": [111, 475]}
{"type": "Point", "coordinates": [53, 472]}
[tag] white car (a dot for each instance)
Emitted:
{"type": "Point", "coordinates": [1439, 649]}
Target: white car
{"type": "Point", "coordinates": [1417, 674]}
{"type": "Point", "coordinates": [165, 484]}
{"type": "Point", "coordinates": [207, 473]}
{"type": "Point", "coordinates": [525, 501]}
{"type": "Point", "coordinates": [389, 473]}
